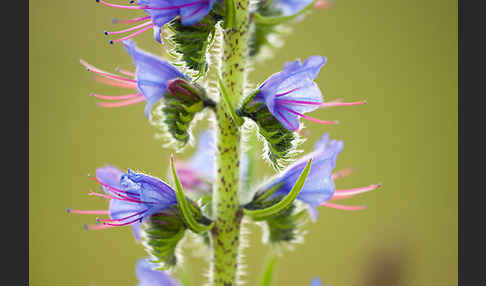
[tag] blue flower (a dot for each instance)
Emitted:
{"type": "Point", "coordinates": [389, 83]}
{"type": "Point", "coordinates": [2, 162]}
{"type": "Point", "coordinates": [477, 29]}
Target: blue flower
{"type": "Point", "coordinates": [147, 276]}
{"type": "Point", "coordinates": [149, 81]}
{"type": "Point", "coordinates": [315, 282]}
{"type": "Point", "coordinates": [290, 7]}
{"type": "Point", "coordinates": [290, 93]}
{"type": "Point", "coordinates": [160, 12]}
{"type": "Point", "coordinates": [319, 186]}
{"type": "Point", "coordinates": [133, 198]}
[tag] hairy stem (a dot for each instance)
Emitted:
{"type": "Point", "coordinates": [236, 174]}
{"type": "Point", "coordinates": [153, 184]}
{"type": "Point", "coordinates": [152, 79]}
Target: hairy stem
{"type": "Point", "coordinates": [225, 235]}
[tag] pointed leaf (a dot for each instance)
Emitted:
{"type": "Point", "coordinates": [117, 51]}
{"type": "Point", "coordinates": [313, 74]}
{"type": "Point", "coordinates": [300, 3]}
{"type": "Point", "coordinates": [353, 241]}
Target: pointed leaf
{"type": "Point", "coordinates": [269, 20]}
{"type": "Point", "coordinates": [286, 202]}
{"type": "Point", "coordinates": [185, 206]}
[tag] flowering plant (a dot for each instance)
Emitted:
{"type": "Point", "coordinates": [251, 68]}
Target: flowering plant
{"type": "Point", "coordinates": [212, 43]}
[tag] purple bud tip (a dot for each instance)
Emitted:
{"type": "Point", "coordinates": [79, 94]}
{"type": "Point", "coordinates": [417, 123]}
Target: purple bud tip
{"type": "Point", "coordinates": [68, 210]}
{"type": "Point", "coordinates": [105, 32]}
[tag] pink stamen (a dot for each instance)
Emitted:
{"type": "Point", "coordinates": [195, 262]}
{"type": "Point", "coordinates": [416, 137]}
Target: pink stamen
{"type": "Point", "coordinates": [338, 102]}
{"type": "Point", "coordinates": [101, 195]}
{"type": "Point", "coordinates": [336, 198]}
{"type": "Point", "coordinates": [119, 6]}
{"type": "Point", "coordinates": [125, 218]}
{"type": "Point", "coordinates": [352, 192]}
{"type": "Point", "coordinates": [195, 12]}
{"type": "Point", "coordinates": [121, 198]}
{"type": "Point", "coordinates": [97, 212]}
{"type": "Point", "coordinates": [286, 120]}
{"type": "Point", "coordinates": [323, 4]}
{"type": "Point", "coordinates": [310, 118]}
{"type": "Point", "coordinates": [96, 226]}
{"type": "Point", "coordinates": [129, 29]}
{"type": "Point", "coordinates": [114, 82]}
{"type": "Point", "coordinates": [133, 35]}
{"type": "Point", "coordinates": [118, 191]}
{"type": "Point", "coordinates": [342, 207]}
{"type": "Point", "coordinates": [291, 101]}
{"type": "Point", "coordinates": [125, 72]}
{"type": "Point", "coordinates": [121, 103]}
{"type": "Point", "coordinates": [122, 224]}
{"type": "Point", "coordinates": [341, 173]}
{"type": "Point", "coordinates": [175, 7]}
{"type": "Point", "coordinates": [128, 96]}
{"type": "Point", "coordinates": [130, 21]}
{"type": "Point", "coordinates": [287, 92]}
{"type": "Point", "coordinates": [98, 71]}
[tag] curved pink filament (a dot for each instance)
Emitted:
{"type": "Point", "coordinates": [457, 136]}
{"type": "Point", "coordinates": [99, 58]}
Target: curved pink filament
{"type": "Point", "coordinates": [118, 6]}
{"type": "Point", "coordinates": [335, 198]}
{"type": "Point", "coordinates": [342, 207]}
{"type": "Point", "coordinates": [341, 173]}
{"type": "Point", "coordinates": [96, 226]}
{"type": "Point", "coordinates": [130, 21]}
{"type": "Point", "coordinates": [121, 103]}
{"type": "Point", "coordinates": [175, 7]}
{"type": "Point", "coordinates": [122, 224]}
{"type": "Point", "coordinates": [338, 102]}
{"type": "Point", "coordinates": [103, 73]}
{"type": "Point", "coordinates": [291, 101]}
{"type": "Point", "coordinates": [194, 13]}
{"type": "Point", "coordinates": [98, 212]}
{"type": "Point", "coordinates": [125, 218]}
{"type": "Point", "coordinates": [134, 34]}
{"type": "Point", "coordinates": [130, 29]}
{"type": "Point", "coordinates": [125, 72]}
{"type": "Point", "coordinates": [286, 120]}
{"type": "Point", "coordinates": [309, 118]}
{"type": "Point", "coordinates": [115, 82]}
{"type": "Point", "coordinates": [287, 92]}
{"type": "Point", "coordinates": [105, 97]}
{"type": "Point", "coordinates": [352, 192]}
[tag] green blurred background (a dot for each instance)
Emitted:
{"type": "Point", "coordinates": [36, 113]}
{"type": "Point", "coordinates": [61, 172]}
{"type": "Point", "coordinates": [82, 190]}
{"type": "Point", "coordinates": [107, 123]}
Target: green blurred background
{"type": "Point", "coordinates": [399, 55]}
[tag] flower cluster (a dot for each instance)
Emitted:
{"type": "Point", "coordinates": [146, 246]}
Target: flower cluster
{"type": "Point", "coordinates": [205, 198]}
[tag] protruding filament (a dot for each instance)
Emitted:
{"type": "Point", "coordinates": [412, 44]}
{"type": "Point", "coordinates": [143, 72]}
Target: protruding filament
{"type": "Point", "coordinates": [96, 226]}
{"type": "Point", "coordinates": [103, 73]}
{"type": "Point", "coordinates": [130, 21]}
{"type": "Point", "coordinates": [129, 29]}
{"type": "Point", "coordinates": [118, 6]}
{"type": "Point", "coordinates": [124, 218]}
{"type": "Point", "coordinates": [338, 102]}
{"type": "Point", "coordinates": [341, 173]}
{"type": "Point", "coordinates": [122, 103]}
{"type": "Point", "coordinates": [96, 212]}
{"type": "Point", "coordinates": [352, 192]}
{"type": "Point", "coordinates": [122, 224]}
{"type": "Point", "coordinates": [310, 118]}
{"type": "Point", "coordinates": [114, 82]}
{"type": "Point", "coordinates": [125, 72]}
{"type": "Point", "coordinates": [133, 35]}
{"type": "Point", "coordinates": [343, 207]}
{"type": "Point", "coordinates": [128, 96]}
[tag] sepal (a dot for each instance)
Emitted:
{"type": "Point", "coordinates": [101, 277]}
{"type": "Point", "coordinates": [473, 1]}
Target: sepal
{"type": "Point", "coordinates": [191, 42]}
{"type": "Point", "coordinates": [161, 234]}
{"type": "Point", "coordinates": [281, 143]}
{"type": "Point", "coordinates": [180, 105]}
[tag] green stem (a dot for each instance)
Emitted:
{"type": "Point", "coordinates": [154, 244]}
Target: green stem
{"type": "Point", "coordinates": [227, 214]}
